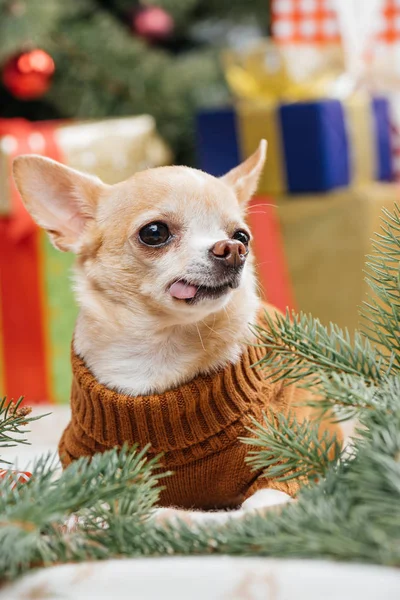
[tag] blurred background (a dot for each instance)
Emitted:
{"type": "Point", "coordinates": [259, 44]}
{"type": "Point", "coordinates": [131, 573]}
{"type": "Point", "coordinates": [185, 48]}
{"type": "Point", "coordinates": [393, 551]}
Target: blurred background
{"type": "Point", "coordinates": [115, 86]}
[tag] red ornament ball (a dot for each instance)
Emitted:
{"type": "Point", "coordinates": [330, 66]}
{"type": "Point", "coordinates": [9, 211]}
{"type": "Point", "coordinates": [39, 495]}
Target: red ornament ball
{"type": "Point", "coordinates": [152, 23]}
{"type": "Point", "coordinates": [28, 75]}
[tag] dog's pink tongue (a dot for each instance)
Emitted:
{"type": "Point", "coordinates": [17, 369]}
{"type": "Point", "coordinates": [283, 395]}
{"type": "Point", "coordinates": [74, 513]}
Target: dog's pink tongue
{"type": "Point", "coordinates": [182, 290]}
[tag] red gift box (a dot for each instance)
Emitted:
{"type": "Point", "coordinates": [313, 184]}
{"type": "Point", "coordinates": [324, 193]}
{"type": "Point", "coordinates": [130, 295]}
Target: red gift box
{"type": "Point", "coordinates": [271, 265]}
{"type": "Point", "coordinates": [23, 343]}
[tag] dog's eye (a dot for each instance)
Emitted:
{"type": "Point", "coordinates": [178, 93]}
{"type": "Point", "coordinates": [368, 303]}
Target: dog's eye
{"type": "Point", "coordinates": [154, 234]}
{"type": "Point", "coordinates": [241, 236]}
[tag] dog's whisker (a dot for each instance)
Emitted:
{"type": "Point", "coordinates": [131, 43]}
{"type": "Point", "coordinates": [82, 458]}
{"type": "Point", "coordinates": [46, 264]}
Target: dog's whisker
{"type": "Point", "coordinates": [260, 204]}
{"type": "Point", "coordinates": [227, 314]}
{"type": "Point", "coordinates": [265, 262]}
{"type": "Point", "coordinates": [260, 290]}
{"type": "Point", "coordinates": [201, 339]}
{"type": "Point", "coordinates": [212, 330]}
{"type": "Point", "coordinates": [257, 212]}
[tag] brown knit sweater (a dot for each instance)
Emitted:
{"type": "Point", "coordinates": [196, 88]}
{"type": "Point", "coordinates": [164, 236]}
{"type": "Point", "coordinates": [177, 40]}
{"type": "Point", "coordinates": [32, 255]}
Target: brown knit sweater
{"type": "Point", "coordinates": [195, 426]}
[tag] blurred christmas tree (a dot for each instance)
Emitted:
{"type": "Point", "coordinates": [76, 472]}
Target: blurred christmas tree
{"type": "Point", "coordinates": [99, 58]}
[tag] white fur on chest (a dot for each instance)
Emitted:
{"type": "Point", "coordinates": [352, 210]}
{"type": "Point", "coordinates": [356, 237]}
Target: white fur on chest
{"type": "Point", "coordinates": [132, 353]}
{"type": "Point", "coordinates": [153, 365]}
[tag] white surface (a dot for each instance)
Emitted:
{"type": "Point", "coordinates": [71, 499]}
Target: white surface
{"type": "Point", "coordinates": [210, 578]}
{"type": "Point", "coordinates": [265, 498]}
{"type": "Point", "coordinates": [44, 436]}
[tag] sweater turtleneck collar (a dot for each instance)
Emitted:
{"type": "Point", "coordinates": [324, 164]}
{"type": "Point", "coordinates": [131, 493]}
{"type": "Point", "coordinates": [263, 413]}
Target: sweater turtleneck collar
{"type": "Point", "coordinates": [197, 418]}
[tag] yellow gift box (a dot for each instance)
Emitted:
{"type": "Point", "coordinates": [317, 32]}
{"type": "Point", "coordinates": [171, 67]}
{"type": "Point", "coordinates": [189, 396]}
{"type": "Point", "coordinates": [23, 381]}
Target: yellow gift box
{"type": "Point", "coordinates": [326, 240]}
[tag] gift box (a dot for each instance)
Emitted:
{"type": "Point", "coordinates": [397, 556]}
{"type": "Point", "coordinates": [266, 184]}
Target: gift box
{"type": "Point", "coordinates": [326, 239]}
{"type": "Point", "coordinates": [37, 308]}
{"type": "Point", "coordinates": [313, 146]}
{"type": "Point", "coordinates": [112, 149]}
{"type": "Point", "coordinates": [311, 253]}
{"type": "Point", "coordinates": [319, 33]}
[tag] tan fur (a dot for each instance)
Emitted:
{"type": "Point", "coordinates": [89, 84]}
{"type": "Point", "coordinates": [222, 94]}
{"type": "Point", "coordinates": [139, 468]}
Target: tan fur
{"type": "Point", "coordinates": [131, 333]}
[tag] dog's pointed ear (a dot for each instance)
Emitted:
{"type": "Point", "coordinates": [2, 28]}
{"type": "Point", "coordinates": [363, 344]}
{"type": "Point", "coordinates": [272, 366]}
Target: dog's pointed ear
{"type": "Point", "coordinates": [60, 199]}
{"type": "Point", "coordinates": [244, 178]}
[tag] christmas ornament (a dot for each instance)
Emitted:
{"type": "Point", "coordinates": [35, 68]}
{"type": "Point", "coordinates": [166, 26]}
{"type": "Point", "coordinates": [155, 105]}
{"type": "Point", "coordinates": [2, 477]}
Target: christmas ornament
{"type": "Point", "coordinates": [28, 75]}
{"type": "Point", "coordinates": [152, 23]}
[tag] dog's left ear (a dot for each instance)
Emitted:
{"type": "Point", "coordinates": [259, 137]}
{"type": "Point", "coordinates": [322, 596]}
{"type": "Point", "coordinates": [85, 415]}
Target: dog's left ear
{"type": "Point", "coordinates": [244, 178]}
{"type": "Point", "coordinates": [61, 200]}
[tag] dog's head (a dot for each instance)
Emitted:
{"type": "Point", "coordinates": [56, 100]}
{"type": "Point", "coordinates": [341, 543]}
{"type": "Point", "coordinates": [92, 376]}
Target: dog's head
{"type": "Point", "coordinates": [173, 239]}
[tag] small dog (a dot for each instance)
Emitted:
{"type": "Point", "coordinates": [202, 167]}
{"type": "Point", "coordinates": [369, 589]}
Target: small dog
{"type": "Point", "coordinates": [164, 276]}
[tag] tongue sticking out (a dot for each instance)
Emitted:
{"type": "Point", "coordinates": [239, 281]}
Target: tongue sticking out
{"type": "Point", "coordinates": [182, 290]}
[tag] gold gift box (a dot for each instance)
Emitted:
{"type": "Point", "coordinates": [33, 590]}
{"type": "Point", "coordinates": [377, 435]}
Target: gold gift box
{"type": "Point", "coordinates": [327, 238]}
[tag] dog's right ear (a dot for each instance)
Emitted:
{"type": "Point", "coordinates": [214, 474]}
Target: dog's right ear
{"type": "Point", "coordinates": [243, 179]}
{"type": "Point", "coordinates": [60, 199]}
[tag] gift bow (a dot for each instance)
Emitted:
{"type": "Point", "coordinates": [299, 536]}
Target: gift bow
{"type": "Point", "coordinates": [262, 73]}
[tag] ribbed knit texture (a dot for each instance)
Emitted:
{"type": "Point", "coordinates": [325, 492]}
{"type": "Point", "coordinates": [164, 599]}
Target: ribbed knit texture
{"type": "Point", "coordinates": [195, 426]}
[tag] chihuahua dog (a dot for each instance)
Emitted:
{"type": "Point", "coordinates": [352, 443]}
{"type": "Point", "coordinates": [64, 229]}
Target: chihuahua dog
{"type": "Point", "coordinates": [164, 275]}
{"type": "Point", "coordinates": [164, 278]}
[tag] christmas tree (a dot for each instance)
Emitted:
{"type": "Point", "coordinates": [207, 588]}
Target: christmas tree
{"type": "Point", "coordinates": [348, 507]}
{"type": "Point", "coordinates": [100, 58]}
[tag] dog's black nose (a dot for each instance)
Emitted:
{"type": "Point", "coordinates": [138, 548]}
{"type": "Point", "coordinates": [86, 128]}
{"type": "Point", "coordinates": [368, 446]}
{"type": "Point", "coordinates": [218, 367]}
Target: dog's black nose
{"type": "Point", "coordinates": [232, 252]}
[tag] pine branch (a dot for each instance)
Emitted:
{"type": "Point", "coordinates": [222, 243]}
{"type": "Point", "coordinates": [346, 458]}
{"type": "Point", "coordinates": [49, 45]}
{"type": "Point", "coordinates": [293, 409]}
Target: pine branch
{"type": "Point", "coordinates": [344, 396]}
{"type": "Point", "coordinates": [382, 312]}
{"type": "Point", "coordinates": [299, 348]}
{"type": "Point", "coordinates": [13, 419]}
{"type": "Point", "coordinates": [327, 521]}
{"type": "Point", "coordinates": [113, 488]}
{"type": "Point", "coordinates": [349, 397]}
{"type": "Point", "coordinates": [286, 449]}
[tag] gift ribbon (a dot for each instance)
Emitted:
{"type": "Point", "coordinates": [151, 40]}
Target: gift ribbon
{"type": "Point", "coordinates": [269, 249]}
{"type": "Point", "coordinates": [23, 312]}
{"type": "Point", "coordinates": [262, 73]}
{"type": "Point", "coordinates": [357, 21]}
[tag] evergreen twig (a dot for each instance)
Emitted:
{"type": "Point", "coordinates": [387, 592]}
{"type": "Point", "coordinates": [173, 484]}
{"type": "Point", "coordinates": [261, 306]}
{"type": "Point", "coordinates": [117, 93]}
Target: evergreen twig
{"type": "Point", "coordinates": [286, 449]}
{"type": "Point", "coordinates": [381, 314]}
{"type": "Point", "coordinates": [110, 491]}
{"type": "Point", "coordinates": [13, 419]}
{"type": "Point", "coordinates": [299, 348]}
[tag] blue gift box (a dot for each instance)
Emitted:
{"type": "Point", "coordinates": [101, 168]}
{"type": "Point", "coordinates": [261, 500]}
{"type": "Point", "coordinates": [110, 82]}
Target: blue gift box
{"type": "Point", "coordinates": [312, 139]}
{"type": "Point", "coordinates": [316, 149]}
{"type": "Point", "coordinates": [218, 148]}
{"type": "Point", "coordinates": [381, 113]}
